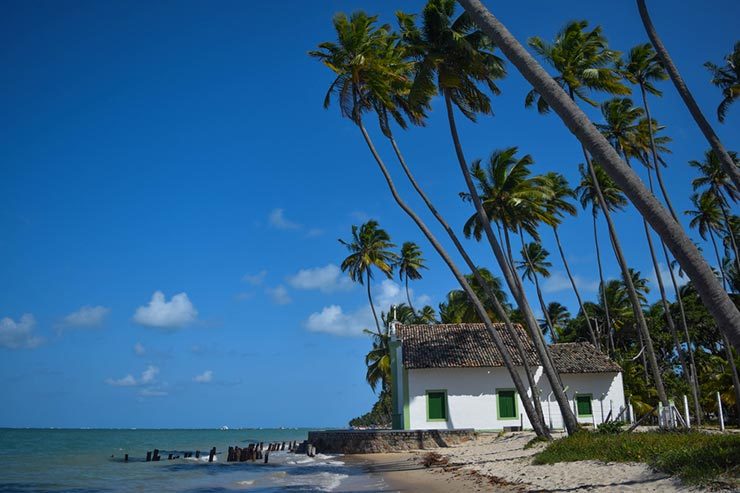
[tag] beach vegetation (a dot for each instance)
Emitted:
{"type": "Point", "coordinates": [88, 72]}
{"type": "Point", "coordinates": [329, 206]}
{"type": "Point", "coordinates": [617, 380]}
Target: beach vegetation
{"type": "Point", "coordinates": [695, 457]}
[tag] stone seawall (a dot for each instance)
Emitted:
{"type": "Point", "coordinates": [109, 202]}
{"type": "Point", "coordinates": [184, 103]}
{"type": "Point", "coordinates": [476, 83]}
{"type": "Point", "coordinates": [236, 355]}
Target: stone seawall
{"type": "Point", "coordinates": [379, 441]}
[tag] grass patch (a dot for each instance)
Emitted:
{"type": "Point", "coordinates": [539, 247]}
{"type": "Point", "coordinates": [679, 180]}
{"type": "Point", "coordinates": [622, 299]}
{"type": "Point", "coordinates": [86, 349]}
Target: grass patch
{"type": "Point", "coordinates": [535, 441]}
{"type": "Point", "coordinates": [695, 457]}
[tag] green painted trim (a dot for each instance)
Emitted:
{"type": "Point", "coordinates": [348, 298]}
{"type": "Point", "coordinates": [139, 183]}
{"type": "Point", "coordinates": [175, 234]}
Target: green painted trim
{"type": "Point", "coordinates": [447, 409]}
{"type": "Point", "coordinates": [397, 417]}
{"type": "Point", "coordinates": [591, 403]}
{"type": "Point", "coordinates": [406, 411]}
{"type": "Point", "coordinates": [516, 405]}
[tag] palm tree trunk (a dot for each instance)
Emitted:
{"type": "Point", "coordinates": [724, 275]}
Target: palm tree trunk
{"type": "Point", "coordinates": [713, 296]}
{"type": "Point", "coordinates": [631, 292]}
{"type": "Point", "coordinates": [370, 299]}
{"type": "Point", "coordinates": [602, 287]}
{"type": "Point", "coordinates": [497, 307]}
{"type": "Point", "coordinates": [536, 421]}
{"type": "Point", "coordinates": [721, 267]}
{"type": "Point", "coordinates": [575, 289]}
{"type": "Point", "coordinates": [728, 226]}
{"type": "Point", "coordinates": [669, 320]}
{"type": "Point", "coordinates": [735, 378]}
{"type": "Point", "coordinates": [569, 419]}
{"type": "Point", "coordinates": [657, 165]}
{"type": "Point", "coordinates": [408, 296]}
{"type": "Point", "coordinates": [727, 164]}
{"type": "Point", "coordinates": [545, 313]}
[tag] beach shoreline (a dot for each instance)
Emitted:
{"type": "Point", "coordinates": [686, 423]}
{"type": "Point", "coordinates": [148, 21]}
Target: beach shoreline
{"type": "Point", "coordinates": [501, 463]}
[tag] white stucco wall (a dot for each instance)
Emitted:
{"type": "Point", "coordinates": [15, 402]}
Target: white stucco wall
{"type": "Point", "coordinates": [471, 396]}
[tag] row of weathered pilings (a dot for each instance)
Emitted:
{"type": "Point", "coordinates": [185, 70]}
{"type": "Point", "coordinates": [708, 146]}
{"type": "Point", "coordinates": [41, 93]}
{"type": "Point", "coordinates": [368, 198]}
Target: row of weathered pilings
{"type": "Point", "coordinates": [155, 457]}
{"type": "Point", "coordinates": [253, 452]}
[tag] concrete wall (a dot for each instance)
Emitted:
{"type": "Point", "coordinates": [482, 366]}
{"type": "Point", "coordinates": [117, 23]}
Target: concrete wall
{"type": "Point", "coordinates": [379, 441]}
{"type": "Point", "coordinates": [472, 401]}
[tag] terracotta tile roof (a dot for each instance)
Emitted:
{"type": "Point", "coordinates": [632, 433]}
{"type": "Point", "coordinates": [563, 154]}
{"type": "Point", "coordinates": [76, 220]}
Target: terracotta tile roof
{"type": "Point", "coordinates": [581, 357]}
{"type": "Point", "coordinates": [472, 346]}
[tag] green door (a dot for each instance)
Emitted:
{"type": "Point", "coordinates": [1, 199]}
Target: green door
{"type": "Point", "coordinates": [583, 405]}
{"type": "Point", "coordinates": [507, 404]}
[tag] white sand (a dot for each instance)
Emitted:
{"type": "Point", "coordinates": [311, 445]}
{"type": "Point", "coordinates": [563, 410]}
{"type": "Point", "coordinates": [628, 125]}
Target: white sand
{"type": "Point", "coordinates": [505, 458]}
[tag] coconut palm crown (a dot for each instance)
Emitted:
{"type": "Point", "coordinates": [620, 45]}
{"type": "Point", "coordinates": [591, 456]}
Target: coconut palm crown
{"type": "Point", "coordinates": [727, 78]}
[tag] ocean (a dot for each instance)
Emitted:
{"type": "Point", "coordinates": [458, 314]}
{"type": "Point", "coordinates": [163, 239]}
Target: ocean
{"type": "Point", "coordinates": [86, 461]}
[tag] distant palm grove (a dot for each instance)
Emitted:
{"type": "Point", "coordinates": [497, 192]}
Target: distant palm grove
{"type": "Point", "coordinates": [682, 344]}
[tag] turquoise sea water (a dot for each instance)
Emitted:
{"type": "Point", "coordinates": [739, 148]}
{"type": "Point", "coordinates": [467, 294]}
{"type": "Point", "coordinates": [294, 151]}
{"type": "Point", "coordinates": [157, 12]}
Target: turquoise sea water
{"type": "Point", "coordinates": [86, 461]}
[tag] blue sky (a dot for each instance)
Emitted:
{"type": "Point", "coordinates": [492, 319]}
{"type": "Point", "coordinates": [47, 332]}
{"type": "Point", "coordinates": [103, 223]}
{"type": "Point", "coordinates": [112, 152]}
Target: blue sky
{"type": "Point", "coordinates": [171, 194]}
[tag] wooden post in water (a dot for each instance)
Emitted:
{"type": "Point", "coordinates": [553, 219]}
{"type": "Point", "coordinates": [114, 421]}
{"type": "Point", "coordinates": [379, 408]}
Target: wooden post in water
{"type": "Point", "coordinates": [148, 456]}
{"type": "Point", "coordinates": [267, 456]}
{"type": "Point", "coordinates": [197, 454]}
{"type": "Point", "coordinates": [212, 454]}
{"type": "Point", "coordinates": [125, 458]}
{"type": "Point", "coordinates": [282, 447]}
{"type": "Point", "coordinates": [155, 456]}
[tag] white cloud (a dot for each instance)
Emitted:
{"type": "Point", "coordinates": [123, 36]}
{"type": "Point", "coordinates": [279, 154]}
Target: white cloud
{"type": "Point", "coordinates": [204, 377]}
{"type": "Point", "coordinates": [558, 281]}
{"type": "Point", "coordinates": [139, 349]}
{"type": "Point", "coordinates": [152, 393]}
{"type": "Point", "coordinates": [255, 279]}
{"type": "Point", "coordinates": [176, 313]}
{"type": "Point", "coordinates": [147, 376]}
{"type": "Point", "coordinates": [314, 232]}
{"type": "Point", "coordinates": [20, 334]}
{"type": "Point", "coordinates": [325, 279]}
{"type": "Point", "coordinates": [279, 295]}
{"type": "Point", "coordinates": [277, 220]}
{"type": "Point", "coordinates": [86, 317]}
{"type": "Point", "coordinates": [334, 320]}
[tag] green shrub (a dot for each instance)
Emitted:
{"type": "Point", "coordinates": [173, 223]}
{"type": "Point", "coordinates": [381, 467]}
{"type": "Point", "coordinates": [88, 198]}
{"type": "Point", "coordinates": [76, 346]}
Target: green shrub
{"type": "Point", "coordinates": [611, 427]}
{"type": "Point", "coordinates": [695, 457]}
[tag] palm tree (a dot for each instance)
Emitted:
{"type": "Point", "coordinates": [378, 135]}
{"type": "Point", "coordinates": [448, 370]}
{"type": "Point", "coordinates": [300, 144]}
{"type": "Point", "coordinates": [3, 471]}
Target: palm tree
{"type": "Point", "coordinates": [688, 255]}
{"type": "Point", "coordinates": [622, 129]}
{"type": "Point", "coordinates": [727, 78]}
{"type": "Point", "coordinates": [643, 68]}
{"type": "Point", "coordinates": [365, 61]}
{"type": "Point", "coordinates": [370, 247]}
{"type": "Point", "coordinates": [534, 265]}
{"type": "Point", "coordinates": [713, 177]}
{"type": "Point", "coordinates": [458, 307]}
{"type": "Point", "coordinates": [409, 264]}
{"type": "Point", "coordinates": [687, 97]}
{"type": "Point", "coordinates": [558, 205]}
{"type": "Point", "coordinates": [614, 199]}
{"type": "Point", "coordinates": [455, 58]}
{"type": "Point", "coordinates": [706, 217]}
{"type": "Point", "coordinates": [584, 61]}
{"type": "Point", "coordinates": [558, 315]}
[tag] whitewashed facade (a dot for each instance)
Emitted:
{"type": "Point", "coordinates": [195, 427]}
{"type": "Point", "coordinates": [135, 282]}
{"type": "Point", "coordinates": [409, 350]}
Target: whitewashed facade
{"type": "Point", "coordinates": [483, 398]}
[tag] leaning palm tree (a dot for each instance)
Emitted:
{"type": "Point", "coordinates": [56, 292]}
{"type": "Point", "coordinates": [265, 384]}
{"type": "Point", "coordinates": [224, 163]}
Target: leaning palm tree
{"type": "Point", "coordinates": [622, 128]}
{"type": "Point", "coordinates": [370, 247]}
{"type": "Point", "coordinates": [584, 62]}
{"type": "Point", "coordinates": [644, 68]}
{"type": "Point", "coordinates": [714, 179]}
{"type": "Point", "coordinates": [534, 265]}
{"type": "Point", "coordinates": [455, 58]}
{"type": "Point", "coordinates": [409, 264]}
{"type": "Point", "coordinates": [706, 217]}
{"type": "Point", "coordinates": [727, 78]}
{"type": "Point", "coordinates": [614, 199]}
{"type": "Point", "coordinates": [714, 297]}
{"type": "Point", "coordinates": [558, 205]}
{"type": "Point", "coordinates": [369, 73]}
{"type": "Point", "coordinates": [687, 97]}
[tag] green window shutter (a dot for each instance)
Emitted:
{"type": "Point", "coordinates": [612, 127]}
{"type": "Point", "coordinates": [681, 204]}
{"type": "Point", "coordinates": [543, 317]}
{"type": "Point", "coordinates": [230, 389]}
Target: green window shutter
{"type": "Point", "coordinates": [436, 406]}
{"type": "Point", "coordinates": [583, 404]}
{"type": "Point", "coordinates": [506, 404]}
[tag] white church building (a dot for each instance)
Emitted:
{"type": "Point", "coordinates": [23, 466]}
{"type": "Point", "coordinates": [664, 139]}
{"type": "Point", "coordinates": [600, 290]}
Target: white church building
{"type": "Point", "coordinates": [451, 376]}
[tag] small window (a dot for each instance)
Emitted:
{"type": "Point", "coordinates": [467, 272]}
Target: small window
{"type": "Point", "coordinates": [437, 405]}
{"type": "Point", "coordinates": [507, 405]}
{"type": "Point", "coordinates": [583, 405]}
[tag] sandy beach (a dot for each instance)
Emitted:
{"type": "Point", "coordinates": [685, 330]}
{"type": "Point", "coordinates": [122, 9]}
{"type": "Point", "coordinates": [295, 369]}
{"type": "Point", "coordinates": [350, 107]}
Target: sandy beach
{"type": "Point", "coordinates": [500, 463]}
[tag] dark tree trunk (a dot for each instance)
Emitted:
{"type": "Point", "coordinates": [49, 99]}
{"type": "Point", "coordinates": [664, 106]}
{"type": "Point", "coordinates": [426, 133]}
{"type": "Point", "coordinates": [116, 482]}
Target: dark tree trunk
{"type": "Point", "coordinates": [537, 424]}
{"type": "Point", "coordinates": [543, 305]}
{"type": "Point", "coordinates": [727, 164]}
{"type": "Point", "coordinates": [713, 296]}
{"type": "Point", "coordinates": [569, 419]}
{"type": "Point", "coordinates": [370, 299]}
{"type": "Point", "coordinates": [497, 307]}
{"type": "Point", "coordinates": [607, 315]}
{"type": "Point", "coordinates": [591, 330]}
